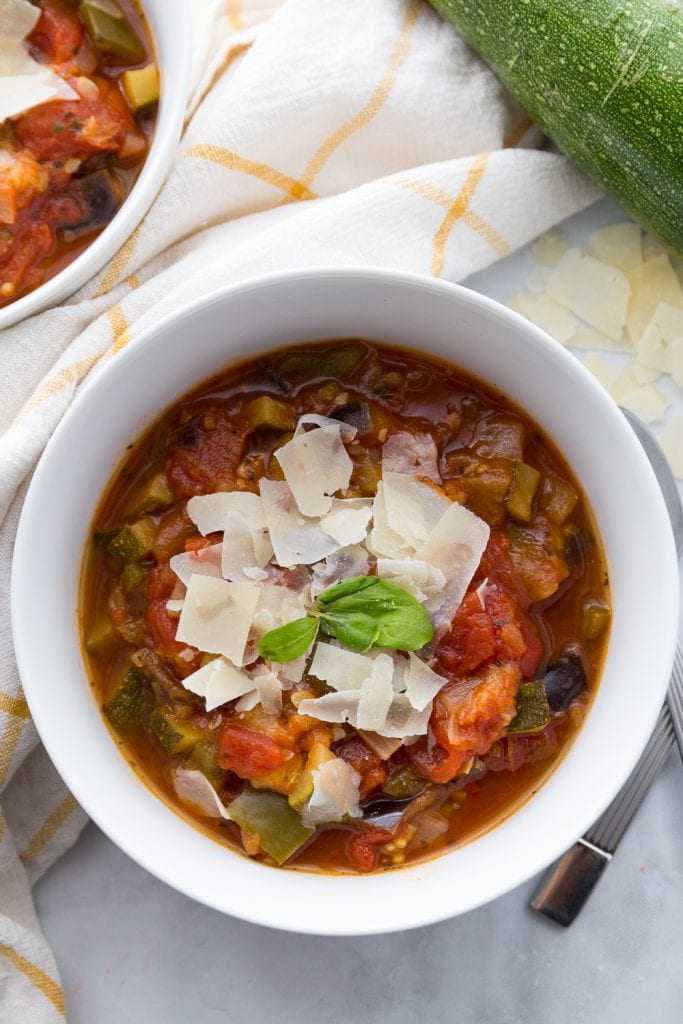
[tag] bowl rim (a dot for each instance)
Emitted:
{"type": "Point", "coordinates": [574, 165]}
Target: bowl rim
{"type": "Point", "coordinates": [165, 137]}
{"type": "Point", "coordinates": [151, 340]}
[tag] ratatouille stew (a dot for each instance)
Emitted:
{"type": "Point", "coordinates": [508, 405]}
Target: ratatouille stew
{"type": "Point", "coordinates": [78, 96]}
{"type": "Point", "coordinates": [344, 607]}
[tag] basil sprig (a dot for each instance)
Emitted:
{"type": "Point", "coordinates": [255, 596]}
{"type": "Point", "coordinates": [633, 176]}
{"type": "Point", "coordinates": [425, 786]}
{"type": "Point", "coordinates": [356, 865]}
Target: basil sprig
{"type": "Point", "coordinates": [361, 613]}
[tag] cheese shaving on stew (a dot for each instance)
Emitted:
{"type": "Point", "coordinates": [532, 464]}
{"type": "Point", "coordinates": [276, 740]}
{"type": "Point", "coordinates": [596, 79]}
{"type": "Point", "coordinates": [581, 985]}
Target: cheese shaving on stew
{"type": "Point", "coordinates": [195, 790]}
{"type": "Point", "coordinates": [376, 694]}
{"type": "Point", "coordinates": [269, 689]}
{"type": "Point", "coordinates": [238, 553]}
{"type": "Point", "coordinates": [420, 579]}
{"type": "Point", "coordinates": [24, 83]}
{"type": "Point", "coordinates": [413, 507]}
{"type": "Point", "coordinates": [340, 565]}
{"type": "Point", "coordinates": [218, 682]}
{"type": "Point", "coordinates": [414, 454]}
{"type": "Point", "coordinates": [206, 562]}
{"type": "Point", "coordinates": [455, 547]}
{"type": "Point", "coordinates": [335, 794]}
{"type": "Point", "coordinates": [209, 512]}
{"type": "Point", "coordinates": [316, 465]}
{"type": "Point", "coordinates": [216, 616]}
{"type": "Point", "coordinates": [347, 521]}
{"type": "Point", "coordinates": [421, 683]}
{"type": "Point", "coordinates": [296, 539]}
{"type": "Point", "coordinates": [342, 669]}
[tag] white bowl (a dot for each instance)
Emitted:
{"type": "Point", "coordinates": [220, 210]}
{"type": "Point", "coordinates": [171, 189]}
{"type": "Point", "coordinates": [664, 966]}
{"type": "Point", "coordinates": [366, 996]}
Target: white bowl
{"type": "Point", "coordinates": [169, 24]}
{"type": "Point", "coordinates": [484, 339]}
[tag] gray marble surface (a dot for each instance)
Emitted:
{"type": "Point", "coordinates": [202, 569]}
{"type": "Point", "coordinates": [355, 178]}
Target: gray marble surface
{"type": "Point", "coordinates": [131, 950]}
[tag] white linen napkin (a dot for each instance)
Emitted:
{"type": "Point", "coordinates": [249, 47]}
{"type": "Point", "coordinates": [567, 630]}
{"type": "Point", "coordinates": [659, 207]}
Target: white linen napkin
{"type": "Point", "coordinates": [318, 132]}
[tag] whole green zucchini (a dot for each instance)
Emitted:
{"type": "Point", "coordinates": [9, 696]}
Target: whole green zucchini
{"type": "Point", "coordinates": [604, 79]}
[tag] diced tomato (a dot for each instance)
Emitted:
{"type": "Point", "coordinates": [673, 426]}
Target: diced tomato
{"type": "Point", "coordinates": [199, 543]}
{"type": "Point", "coordinates": [175, 528]}
{"type": "Point", "coordinates": [207, 455]}
{"type": "Point", "coordinates": [468, 716]}
{"type": "Point", "coordinates": [469, 642]}
{"type": "Point", "coordinates": [246, 752]}
{"type": "Point", "coordinates": [161, 583]}
{"type": "Point", "coordinates": [372, 770]}
{"type": "Point", "coordinates": [62, 129]}
{"type": "Point", "coordinates": [362, 847]}
{"type": "Point", "coordinates": [32, 243]}
{"type": "Point", "coordinates": [163, 628]}
{"type": "Point", "coordinates": [512, 752]}
{"type": "Point", "coordinates": [58, 33]}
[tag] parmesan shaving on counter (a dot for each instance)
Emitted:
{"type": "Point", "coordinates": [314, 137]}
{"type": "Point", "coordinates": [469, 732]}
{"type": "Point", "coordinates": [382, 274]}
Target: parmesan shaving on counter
{"type": "Point", "coordinates": [622, 295]}
{"type": "Point", "coordinates": [24, 83]}
{"type": "Point", "coordinates": [280, 549]}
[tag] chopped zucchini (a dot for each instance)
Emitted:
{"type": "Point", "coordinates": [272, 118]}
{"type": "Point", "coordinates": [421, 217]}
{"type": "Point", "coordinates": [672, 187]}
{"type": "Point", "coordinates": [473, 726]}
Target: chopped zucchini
{"type": "Point", "coordinates": [133, 542]}
{"type": "Point", "coordinates": [485, 483]}
{"type": "Point", "coordinates": [366, 474]}
{"type": "Point", "coordinates": [175, 735]}
{"type": "Point", "coordinates": [129, 702]}
{"type": "Point", "coordinates": [557, 499]}
{"type": "Point", "coordinates": [133, 576]}
{"type": "Point", "coordinates": [303, 787]}
{"type": "Point", "coordinates": [501, 439]}
{"type": "Point", "coordinates": [269, 817]}
{"type": "Point", "coordinates": [533, 711]}
{"type": "Point", "coordinates": [101, 636]}
{"type": "Point", "coordinates": [336, 361]}
{"type": "Point", "coordinates": [155, 495]}
{"type": "Point", "coordinates": [403, 783]}
{"type": "Point", "coordinates": [595, 617]}
{"type": "Point", "coordinates": [267, 412]}
{"type": "Point", "coordinates": [141, 86]}
{"type": "Point", "coordinates": [205, 757]}
{"type": "Point", "coordinates": [520, 498]}
{"type": "Point", "coordinates": [133, 632]}
{"type": "Point", "coordinates": [533, 551]}
{"type": "Point", "coordinates": [109, 30]}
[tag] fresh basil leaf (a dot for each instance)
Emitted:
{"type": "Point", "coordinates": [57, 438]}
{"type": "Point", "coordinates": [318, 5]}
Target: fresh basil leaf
{"type": "Point", "coordinates": [377, 613]}
{"type": "Point", "coordinates": [352, 586]}
{"type": "Point", "coordinates": [355, 630]}
{"type": "Point", "coordinates": [289, 642]}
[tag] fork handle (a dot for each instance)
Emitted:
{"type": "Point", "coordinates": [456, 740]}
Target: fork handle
{"type": "Point", "coordinates": [571, 882]}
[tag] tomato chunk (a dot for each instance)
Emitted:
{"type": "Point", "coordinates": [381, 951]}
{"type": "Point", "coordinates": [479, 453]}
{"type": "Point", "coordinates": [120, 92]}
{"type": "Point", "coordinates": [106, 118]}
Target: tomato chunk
{"type": "Point", "coordinates": [372, 770]}
{"type": "Point", "coordinates": [58, 33]}
{"type": "Point", "coordinates": [162, 628]}
{"type": "Point", "coordinates": [207, 455]}
{"type": "Point", "coordinates": [362, 847]}
{"type": "Point", "coordinates": [246, 752]}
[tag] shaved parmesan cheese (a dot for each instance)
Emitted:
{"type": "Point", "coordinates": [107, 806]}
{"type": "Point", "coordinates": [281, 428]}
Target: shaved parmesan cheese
{"type": "Point", "coordinates": [277, 606]}
{"type": "Point", "coordinates": [655, 345]}
{"type": "Point", "coordinates": [340, 565]}
{"type": "Point", "coordinates": [342, 669]}
{"type": "Point", "coordinates": [455, 547]}
{"type": "Point", "coordinates": [677, 361]}
{"type": "Point", "coordinates": [269, 689]}
{"type": "Point", "coordinates": [194, 789]}
{"type": "Point", "coordinates": [643, 374]}
{"type": "Point", "coordinates": [376, 694]}
{"type": "Point", "coordinates": [421, 683]}
{"type": "Point", "coordinates": [618, 245]}
{"type": "Point", "coordinates": [254, 573]}
{"type": "Point", "coordinates": [546, 314]}
{"type": "Point", "coordinates": [648, 402]}
{"type": "Point", "coordinates": [316, 465]}
{"type": "Point", "coordinates": [206, 562]}
{"type": "Point", "coordinates": [414, 454]}
{"type": "Point", "coordinates": [671, 440]}
{"type": "Point", "coordinates": [592, 290]}
{"type": "Point", "coordinates": [404, 721]}
{"type": "Point", "coordinates": [248, 702]}
{"type": "Point", "coordinates": [537, 281]}
{"type": "Point", "coordinates": [602, 370]}
{"type": "Point", "coordinates": [296, 539]}
{"type": "Point", "coordinates": [337, 706]}
{"type": "Point", "coordinates": [347, 521]}
{"type": "Point", "coordinates": [550, 248]}
{"type": "Point", "coordinates": [209, 512]}
{"type": "Point", "coordinates": [589, 338]}
{"type": "Point", "coordinates": [237, 552]}
{"type": "Point", "coordinates": [311, 419]}
{"type": "Point", "coordinates": [335, 794]}
{"type": "Point", "coordinates": [652, 283]}
{"type": "Point", "coordinates": [17, 19]}
{"type": "Point", "coordinates": [420, 579]}
{"type": "Point", "coordinates": [383, 540]}
{"type": "Point", "coordinates": [216, 616]}
{"type": "Point", "coordinates": [413, 508]}
{"type": "Point", "coordinates": [175, 607]}
{"type": "Point", "coordinates": [218, 682]}
{"type": "Point", "coordinates": [291, 671]}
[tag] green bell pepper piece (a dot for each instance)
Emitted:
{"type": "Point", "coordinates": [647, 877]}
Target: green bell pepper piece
{"type": "Point", "coordinates": [109, 30]}
{"type": "Point", "coordinates": [129, 701]}
{"type": "Point", "coordinates": [175, 735]}
{"type": "Point", "coordinates": [533, 710]}
{"type": "Point", "coordinates": [268, 816]}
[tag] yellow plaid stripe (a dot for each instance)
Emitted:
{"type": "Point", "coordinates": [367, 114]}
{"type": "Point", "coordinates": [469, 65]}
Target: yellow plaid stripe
{"type": "Point", "coordinates": [13, 705]}
{"type": "Point", "coordinates": [50, 828]}
{"type": "Point", "coordinates": [456, 211]}
{"type": "Point", "coordinates": [50, 989]}
{"type": "Point", "coordinates": [293, 189]}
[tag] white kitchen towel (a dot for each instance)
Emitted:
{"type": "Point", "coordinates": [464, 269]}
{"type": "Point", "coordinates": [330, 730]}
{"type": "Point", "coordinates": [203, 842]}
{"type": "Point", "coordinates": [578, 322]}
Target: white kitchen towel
{"type": "Point", "coordinates": [319, 132]}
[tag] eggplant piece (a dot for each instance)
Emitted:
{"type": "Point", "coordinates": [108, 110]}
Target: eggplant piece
{"type": "Point", "coordinates": [99, 196]}
{"type": "Point", "coordinates": [356, 414]}
{"type": "Point", "coordinates": [564, 680]}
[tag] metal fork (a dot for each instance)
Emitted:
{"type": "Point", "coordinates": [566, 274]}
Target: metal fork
{"type": "Point", "coordinates": [570, 882]}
